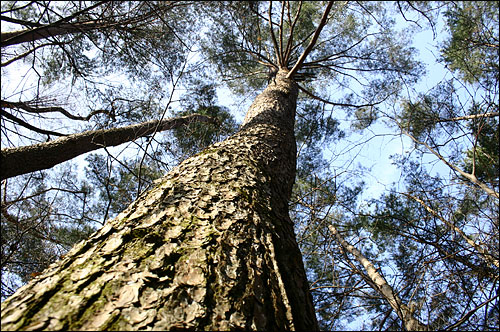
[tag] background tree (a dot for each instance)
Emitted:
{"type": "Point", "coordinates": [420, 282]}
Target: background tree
{"type": "Point", "coordinates": [434, 235]}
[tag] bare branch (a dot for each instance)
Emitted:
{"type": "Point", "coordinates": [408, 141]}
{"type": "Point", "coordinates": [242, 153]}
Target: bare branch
{"type": "Point", "coordinates": [28, 108]}
{"type": "Point", "coordinates": [468, 314]}
{"type": "Point", "coordinates": [28, 126]}
{"type": "Point", "coordinates": [271, 30]}
{"type": "Point", "coordinates": [25, 54]}
{"type": "Point", "coordinates": [309, 47]}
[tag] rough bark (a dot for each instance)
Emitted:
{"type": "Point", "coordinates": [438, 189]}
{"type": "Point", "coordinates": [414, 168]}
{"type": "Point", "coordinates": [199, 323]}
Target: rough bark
{"type": "Point", "coordinates": [378, 282]}
{"type": "Point", "coordinates": [211, 247]}
{"type": "Point", "coordinates": [26, 159]}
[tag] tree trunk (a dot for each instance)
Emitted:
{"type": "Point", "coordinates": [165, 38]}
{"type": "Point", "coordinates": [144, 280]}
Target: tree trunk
{"type": "Point", "coordinates": [36, 157]}
{"type": "Point", "coordinates": [211, 247]}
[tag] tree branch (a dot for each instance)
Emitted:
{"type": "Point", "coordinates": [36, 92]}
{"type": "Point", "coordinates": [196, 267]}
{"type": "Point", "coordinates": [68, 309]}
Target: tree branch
{"type": "Point", "coordinates": [380, 285]}
{"type": "Point", "coordinates": [470, 117]}
{"type": "Point", "coordinates": [25, 106]}
{"type": "Point", "coordinates": [310, 94]}
{"type": "Point", "coordinates": [471, 177]}
{"type": "Point", "coordinates": [271, 30]}
{"type": "Point", "coordinates": [288, 49]}
{"type": "Point", "coordinates": [21, 160]}
{"type": "Point", "coordinates": [28, 126]}
{"type": "Point", "coordinates": [57, 28]}
{"type": "Point", "coordinates": [309, 47]}
{"type": "Point", "coordinates": [487, 257]}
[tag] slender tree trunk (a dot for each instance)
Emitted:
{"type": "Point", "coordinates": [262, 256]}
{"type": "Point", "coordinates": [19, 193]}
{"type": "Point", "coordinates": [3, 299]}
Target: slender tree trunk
{"type": "Point", "coordinates": [211, 247]}
{"type": "Point", "coordinates": [38, 31]}
{"type": "Point", "coordinates": [481, 250]}
{"type": "Point", "coordinates": [26, 159]}
{"type": "Point", "coordinates": [43, 31]}
{"type": "Point", "coordinates": [379, 284]}
{"type": "Point", "coordinates": [471, 177]}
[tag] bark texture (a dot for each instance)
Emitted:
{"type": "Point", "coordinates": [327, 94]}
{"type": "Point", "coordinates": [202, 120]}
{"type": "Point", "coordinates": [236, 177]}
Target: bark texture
{"type": "Point", "coordinates": [36, 157]}
{"type": "Point", "coordinates": [211, 247]}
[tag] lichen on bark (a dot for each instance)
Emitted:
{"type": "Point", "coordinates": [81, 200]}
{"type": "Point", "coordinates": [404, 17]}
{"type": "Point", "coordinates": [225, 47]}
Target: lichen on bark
{"type": "Point", "coordinates": [210, 247]}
